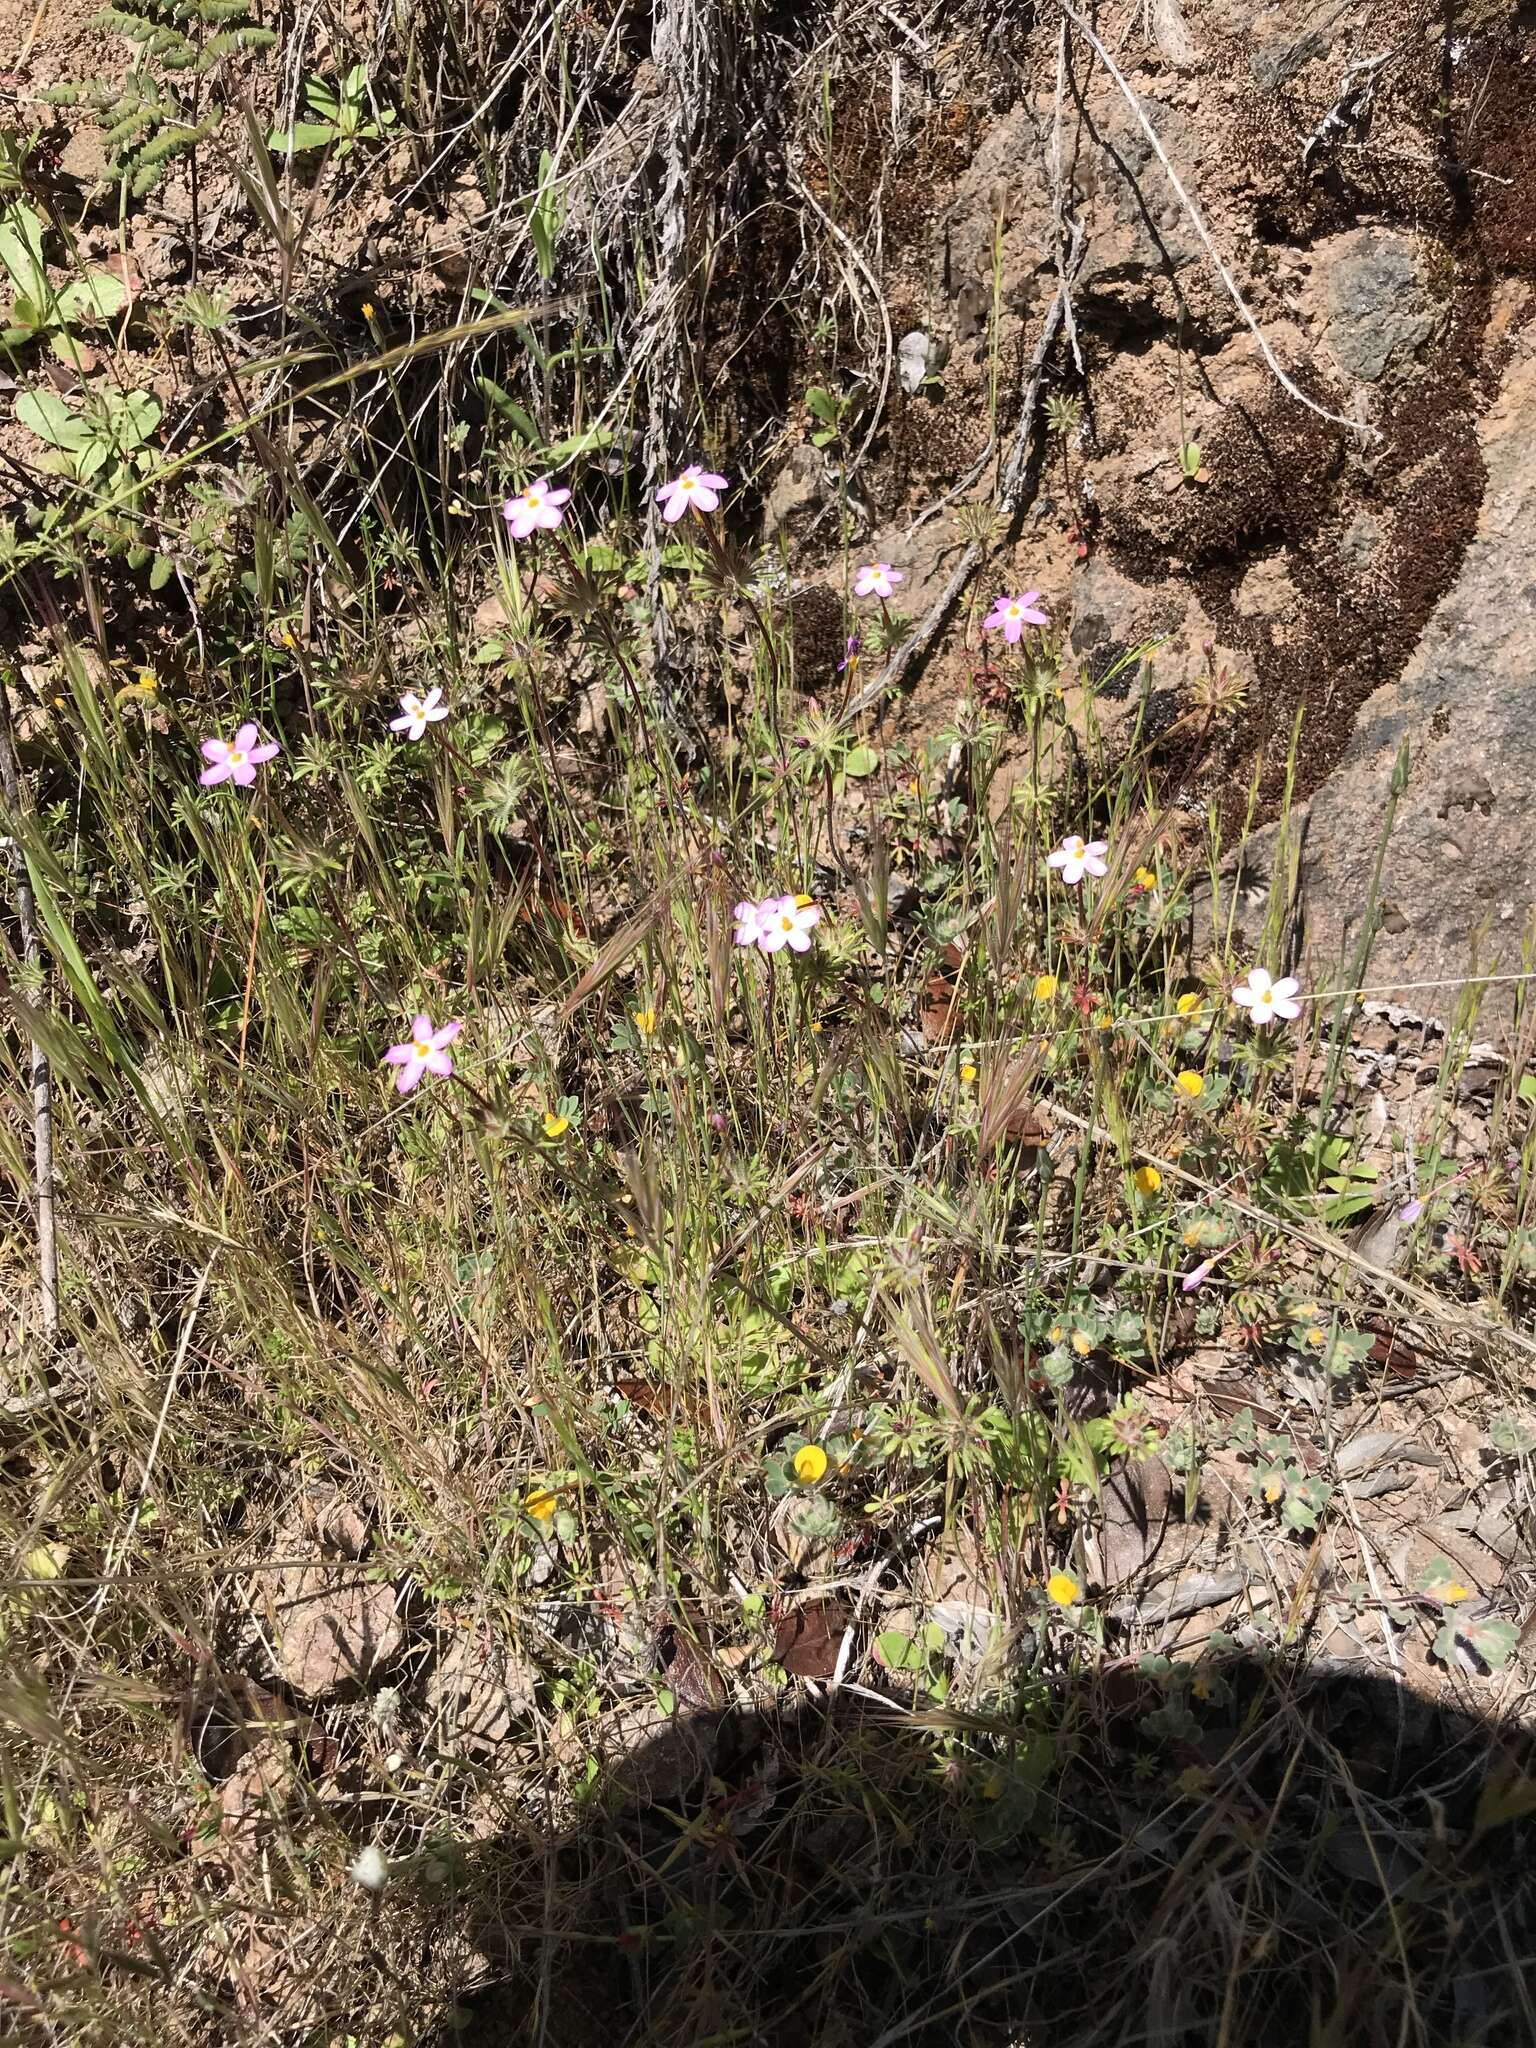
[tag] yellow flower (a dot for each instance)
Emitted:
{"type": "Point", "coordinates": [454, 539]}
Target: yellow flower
{"type": "Point", "coordinates": [1105, 1020]}
{"type": "Point", "coordinates": [1454, 1591]}
{"type": "Point", "coordinates": [555, 1126]}
{"type": "Point", "coordinates": [1045, 987]}
{"type": "Point", "coordinates": [968, 1073]}
{"type": "Point", "coordinates": [804, 902]}
{"type": "Point", "coordinates": [1145, 878]}
{"type": "Point", "coordinates": [1201, 1689]}
{"type": "Point", "coordinates": [1187, 1004]}
{"type": "Point", "coordinates": [1082, 1343]}
{"type": "Point", "coordinates": [147, 688]}
{"type": "Point", "coordinates": [1273, 1489]}
{"type": "Point", "coordinates": [1148, 1180]}
{"type": "Point", "coordinates": [1316, 1337]}
{"type": "Point", "coordinates": [540, 1504]}
{"type": "Point", "coordinates": [810, 1463]}
{"type": "Point", "coordinates": [1057, 1333]}
{"type": "Point", "coordinates": [1062, 1590]}
{"type": "Point", "coordinates": [645, 1022]}
{"type": "Point", "coordinates": [367, 309]}
{"type": "Point", "coordinates": [1190, 1083]}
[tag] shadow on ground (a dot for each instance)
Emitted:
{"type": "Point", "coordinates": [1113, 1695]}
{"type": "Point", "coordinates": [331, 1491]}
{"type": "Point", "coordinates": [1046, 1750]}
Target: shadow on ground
{"type": "Point", "coordinates": [1220, 1853]}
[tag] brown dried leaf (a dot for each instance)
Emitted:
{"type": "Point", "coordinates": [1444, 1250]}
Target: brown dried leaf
{"type": "Point", "coordinates": [810, 1637]}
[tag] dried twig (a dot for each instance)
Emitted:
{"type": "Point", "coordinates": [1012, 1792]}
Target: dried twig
{"type": "Point", "coordinates": [42, 1094]}
{"type": "Point", "coordinates": [1286, 384]}
{"type": "Point", "coordinates": [1010, 501]}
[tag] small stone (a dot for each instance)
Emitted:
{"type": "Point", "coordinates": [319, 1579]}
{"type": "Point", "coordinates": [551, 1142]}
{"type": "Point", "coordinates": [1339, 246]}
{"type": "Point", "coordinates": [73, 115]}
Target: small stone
{"type": "Point", "coordinates": [1378, 305]}
{"type": "Point", "coordinates": [481, 1687]}
{"type": "Point", "coordinates": [336, 1631]}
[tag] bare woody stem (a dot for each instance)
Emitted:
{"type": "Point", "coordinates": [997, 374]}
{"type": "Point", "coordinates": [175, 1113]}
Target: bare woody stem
{"type": "Point", "coordinates": [42, 1092]}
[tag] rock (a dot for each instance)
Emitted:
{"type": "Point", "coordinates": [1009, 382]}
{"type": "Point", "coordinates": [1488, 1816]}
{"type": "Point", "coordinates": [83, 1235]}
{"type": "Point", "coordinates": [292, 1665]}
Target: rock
{"type": "Point", "coordinates": [646, 1756]}
{"type": "Point", "coordinates": [1134, 1504]}
{"type": "Point", "coordinates": [256, 1793]}
{"type": "Point", "coordinates": [1461, 865]}
{"type": "Point", "coordinates": [795, 492]}
{"type": "Point", "coordinates": [912, 356]}
{"type": "Point", "coordinates": [336, 1630]}
{"type": "Point", "coordinates": [480, 1687]}
{"type": "Point", "coordinates": [1280, 40]}
{"type": "Point", "coordinates": [1184, 1597]}
{"type": "Point", "coordinates": [1379, 311]}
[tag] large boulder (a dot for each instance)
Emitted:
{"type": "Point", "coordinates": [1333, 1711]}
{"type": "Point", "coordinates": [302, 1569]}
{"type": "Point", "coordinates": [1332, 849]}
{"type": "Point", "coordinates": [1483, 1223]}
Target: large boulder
{"type": "Point", "coordinates": [1459, 881]}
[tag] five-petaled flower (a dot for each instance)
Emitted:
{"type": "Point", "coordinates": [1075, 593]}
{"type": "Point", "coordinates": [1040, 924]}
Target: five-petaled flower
{"type": "Point", "coordinates": [1267, 1001]}
{"type": "Point", "coordinates": [696, 490]}
{"type": "Point", "coordinates": [1062, 1590]}
{"type": "Point", "coordinates": [1078, 857]}
{"type": "Point", "coordinates": [238, 759]}
{"type": "Point", "coordinates": [1012, 614]}
{"type": "Point", "coordinates": [877, 579]}
{"type": "Point", "coordinates": [777, 922]}
{"type": "Point", "coordinates": [424, 1052]}
{"type": "Point", "coordinates": [536, 507]}
{"type": "Point", "coordinates": [417, 713]}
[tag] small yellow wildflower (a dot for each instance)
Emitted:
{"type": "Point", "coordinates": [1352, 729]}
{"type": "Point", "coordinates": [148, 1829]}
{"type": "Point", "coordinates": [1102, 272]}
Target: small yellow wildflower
{"type": "Point", "coordinates": [1057, 1333]}
{"type": "Point", "coordinates": [1062, 1590]}
{"type": "Point", "coordinates": [1201, 1689]}
{"type": "Point", "coordinates": [1045, 987]}
{"type": "Point", "coordinates": [1317, 1337]}
{"type": "Point", "coordinates": [803, 902]}
{"type": "Point", "coordinates": [1187, 1004]}
{"type": "Point", "coordinates": [555, 1126]}
{"type": "Point", "coordinates": [1147, 1179]}
{"type": "Point", "coordinates": [1189, 1083]}
{"type": "Point", "coordinates": [645, 1022]}
{"type": "Point", "coordinates": [367, 309]}
{"type": "Point", "coordinates": [1082, 1343]}
{"type": "Point", "coordinates": [1273, 1488]}
{"type": "Point", "coordinates": [1453, 1592]}
{"type": "Point", "coordinates": [1105, 1020]}
{"type": "Point", "coordinates": [968, 1073]}
{"type": "Point", "coordinates": [540, 1504]}
{"type": "Point", "coordinates": [1145, 878]}
{"type": "Point", "coordinates": [810, 1463]}
{"type": "Point", "coordinates": [287, 639]}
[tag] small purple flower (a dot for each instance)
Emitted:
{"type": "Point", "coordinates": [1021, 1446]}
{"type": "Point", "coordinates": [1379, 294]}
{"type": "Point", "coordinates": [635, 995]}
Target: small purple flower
{"type": "Point", "coordinates": [1410, 1212]}
{"type": "Point", "coordinates": [537, 507]}
{"type": "Point", "coordinates": [696, 490]}
{"type": "Point", "coordinates": [850, 652]}
{"type": "Point", "coordinates": [1013, 614]}
{"type": "Point", "coordinates": [1196, 1278]}
{"type": "Point", "coordinates": [424, 1052]}
{"type": "Point", "coordinates": [238, 759]}
{"type": "Point", "coordinates": [877, 579]}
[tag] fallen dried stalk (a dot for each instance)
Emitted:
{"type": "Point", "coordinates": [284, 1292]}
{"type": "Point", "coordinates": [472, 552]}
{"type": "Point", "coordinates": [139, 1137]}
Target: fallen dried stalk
{"type": "Point", "coordinates": [42, 1094]}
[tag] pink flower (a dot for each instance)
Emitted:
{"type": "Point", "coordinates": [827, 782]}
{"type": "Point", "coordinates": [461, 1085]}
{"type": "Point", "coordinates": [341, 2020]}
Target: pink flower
{"type": "Point", "coordinates": [536, 507]}
{"type": "Point", "coordinates": [1013, 614]}
{"type": "Point", "coordinates": [1267, 1001]}
{"type": "Point", "coordinates": [417, 713]}
{"type": "Point", "coordinates": [696, 490]}
{"type": "Point", "coordinates": [877, 579]}
{"type": "Point", "coordinates": [1196, 1277]}
{"type": "Point", "coordinates": [424, 1052]}
{"type": "Point", "coordinates": [786, 921]}
{"type": "Point", "coordinates": [236, 760]}
{"type": "Point", "coordinates": [748, 916]}
{"type": "Point", "coordinates": [1078, 857]}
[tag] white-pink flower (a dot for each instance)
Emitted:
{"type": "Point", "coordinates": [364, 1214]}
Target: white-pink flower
{"type": "Point", "coordinates": [534, 508]}
{"type": "Point", "coordinates": [417, 713]}
{"type": "Point", "coordinates": [877, 579]}
{"type": "Point", "coordinates": [424, 1052]}
{"type": "Point", "coordinates": [748, 916]}
{"type": "Point", "coordinates": [1078, 857]}
{"type": "Point", "coordinates": [238, 759]}
{"type": "Point", "coordinates": [696, 490]}
{"type": "Point", "coordinates": [1268, 1001]}
{"type": "Point", "coordinates": [1013, 614]}
{"type": "Point", "coordinates": [786, 921]}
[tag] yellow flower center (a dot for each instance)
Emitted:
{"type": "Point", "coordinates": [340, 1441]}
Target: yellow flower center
{"type": "Point", "coordinates": [236, 757]}
{"type": "Point", "coordinates": [1075, 847]}
{"type": "Point", "coordinates": [688, 483]}
{"type": "Point", "coordinates": [421, 1047]}
{"type": "Point", "coordinates": [786, 924]}
{"type": "Point", "coordinates": [532, 500]}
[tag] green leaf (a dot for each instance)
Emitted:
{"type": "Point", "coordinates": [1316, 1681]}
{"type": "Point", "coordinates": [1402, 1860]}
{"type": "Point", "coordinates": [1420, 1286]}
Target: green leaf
{"type": "Point", "coordinates": [822, 404]}
{"type": "Point", "coordinates": [45, 414]}
{"type": "Point", "coordinates": [860, 760]}
{"type": "Point", "coordinates": [898, 1652]}
{"type": "Point", "coordinates": [1527, 1089]}
{"type": "Point", "coordinates": [21, 249]}
{"type": "Point", "coordinates": [509, 409]}
{"type": "Point", "coordinates": [302, 137]}
{"type": "Point", "coordinates": [98, 296]}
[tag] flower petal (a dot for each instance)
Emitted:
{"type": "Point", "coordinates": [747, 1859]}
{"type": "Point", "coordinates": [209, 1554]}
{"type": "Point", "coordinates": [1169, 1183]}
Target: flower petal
{"type": "Point", "coordinates": [445, 1034]}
